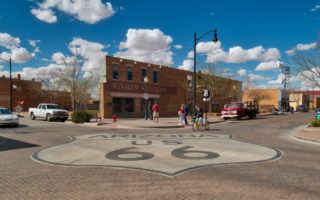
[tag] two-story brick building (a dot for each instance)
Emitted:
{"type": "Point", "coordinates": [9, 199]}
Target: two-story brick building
{"type": "Point", "coordinates": [31, 93]}
{"type": "Point", "coordinates": [126, 93]}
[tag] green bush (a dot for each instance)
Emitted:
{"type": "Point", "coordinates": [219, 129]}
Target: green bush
{"type": "Point", "coordinates": [80, 116]}
{"type": "Point", "coordinates": [315, 123]}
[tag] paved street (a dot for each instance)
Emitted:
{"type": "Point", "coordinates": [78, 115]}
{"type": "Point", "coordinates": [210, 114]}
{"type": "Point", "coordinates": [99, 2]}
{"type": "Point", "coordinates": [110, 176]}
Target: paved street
{"type": "Point", "coordinates": [292, 175]}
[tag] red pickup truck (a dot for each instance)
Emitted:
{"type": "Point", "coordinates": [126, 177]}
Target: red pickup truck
{"type": "Point", "coordinates": [239, 110]}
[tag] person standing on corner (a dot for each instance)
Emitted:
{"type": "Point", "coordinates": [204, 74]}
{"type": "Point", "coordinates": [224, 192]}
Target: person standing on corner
{"type": "Point", "coordinates": [182, 113]}
{"type": "Point", "coordinates": [150, 110]}
{"type": "Point", "coordinates": [155, 110]}
{"type": "Point", "coordinates": [187, 111]}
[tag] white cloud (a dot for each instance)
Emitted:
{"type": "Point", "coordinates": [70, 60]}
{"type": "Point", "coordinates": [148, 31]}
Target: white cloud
{"type": "Point", "coordinates": [17, 54]}
{"type": "Point", "coordinates": [206, 47]}
{"type": "Point", "coordinates": [1, 67]}
{"type": "Point", "coordinates": [39, 73]}
{"type": "Point", "coordinates": [8, 42]}
{"type": "Point", "coordinates": [92, 52]}
{"type": "Point", "coordinates": [278, 81]}
{"type": "Point", "coordinates": [20, 55]}
{"type": "Point", "coordinates": [88, 11]}
{"type": "Point", "coordinates": [58, 57]}
{"type": "Point", "coordinates": [33, 43]}
{"type": "Point", "coordinates": [291, 52]}
{"type": "Point", "coordinates": [45, 15]}
{"type": "Point", "coordinates": [178, 46]}
{"type": "Point", "coordinates": [147, 45]}
{"type": "Point", "coordinates": [190, 55]}
{"type": "Point", "coordinates": [242, 72]}
{"type": "Point", "coordinates": [239, 55]}
{"type": "Point", "coordinates": [302, 47]}
{"type": "Point", "coordinates": [256, 77]}
{"type": "Point", "coordinates": [317, 7]}
{"type": "Point", "coordinates": [265, 66]}
{"type": "Point", "coordinates": [187, 65]}
{"type": "Point", "coordinates": [305, 47]}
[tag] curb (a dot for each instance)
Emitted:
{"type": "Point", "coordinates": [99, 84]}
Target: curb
{"type": "Point", "coordinates": [305, 138]}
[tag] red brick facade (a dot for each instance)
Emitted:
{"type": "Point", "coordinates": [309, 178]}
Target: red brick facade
{"type": "Point", "coordinates": [126, 97]}
{"type": "Point", "coordinates": [31, 93]}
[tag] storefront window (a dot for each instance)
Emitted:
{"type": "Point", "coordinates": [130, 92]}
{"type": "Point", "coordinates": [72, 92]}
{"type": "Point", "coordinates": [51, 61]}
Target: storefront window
{"type": "Point", "coordinates": [129, 74]}
{"type": "Point", "coordinates": [123, 105]}
{"type": "Point", "coordinates": [143, 74]}
{"type": "Point", "coordinates": [155, 76]}
{"type": "Point", "coordinates": [115, 71]}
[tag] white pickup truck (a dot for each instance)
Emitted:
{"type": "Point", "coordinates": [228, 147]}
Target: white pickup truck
{"type": "Point", "coordinates": [48, 112]}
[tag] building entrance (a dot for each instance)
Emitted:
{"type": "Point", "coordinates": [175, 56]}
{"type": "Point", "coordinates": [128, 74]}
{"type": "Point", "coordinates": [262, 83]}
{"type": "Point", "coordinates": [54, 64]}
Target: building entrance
{"type": "Point", "coordinates": [123, 107]}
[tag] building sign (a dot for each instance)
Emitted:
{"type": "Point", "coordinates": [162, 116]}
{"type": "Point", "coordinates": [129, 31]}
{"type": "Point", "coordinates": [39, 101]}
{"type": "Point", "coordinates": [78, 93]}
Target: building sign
{"type": "Point", "coordinates": [139, 88]}
{"type": "Point", "coordinates": [169, 154]}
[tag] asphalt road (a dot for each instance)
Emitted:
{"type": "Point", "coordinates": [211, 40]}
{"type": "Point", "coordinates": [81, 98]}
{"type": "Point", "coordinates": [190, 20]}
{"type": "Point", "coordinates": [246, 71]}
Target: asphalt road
{"type": "Point", "coordinates": [295, 176]}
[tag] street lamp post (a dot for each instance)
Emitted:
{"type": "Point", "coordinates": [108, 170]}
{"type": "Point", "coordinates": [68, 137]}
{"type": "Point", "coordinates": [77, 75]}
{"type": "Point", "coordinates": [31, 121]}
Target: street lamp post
{"type": "Point", "coordinates": [189, 79]}
{"type": "Point", "coordinates": [10, 78]}
{"type": "Point", "coordinates": [145, 80]}
{"type": "Point", "coordinates": [215, 40]}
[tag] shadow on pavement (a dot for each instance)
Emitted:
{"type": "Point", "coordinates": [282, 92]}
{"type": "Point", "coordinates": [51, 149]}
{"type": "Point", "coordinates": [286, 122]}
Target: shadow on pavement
{"type": "Point", "coordinates": [10, 144]}
{"type": "Point", "coordinates": [15, 127]}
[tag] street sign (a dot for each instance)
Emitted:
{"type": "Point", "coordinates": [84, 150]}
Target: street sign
{"type": "Point", "coordinates": [206, 93]}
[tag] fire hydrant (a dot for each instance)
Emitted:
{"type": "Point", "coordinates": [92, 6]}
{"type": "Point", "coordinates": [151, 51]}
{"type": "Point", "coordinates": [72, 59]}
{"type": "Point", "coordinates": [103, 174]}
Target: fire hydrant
{"type": "Point", "coordinates": [114, 118]}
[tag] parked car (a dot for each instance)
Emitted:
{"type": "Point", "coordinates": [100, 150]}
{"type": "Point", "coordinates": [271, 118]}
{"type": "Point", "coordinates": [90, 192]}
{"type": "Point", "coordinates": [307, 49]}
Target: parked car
{"type": "Point", "coordinates": [276, 111]}
{"type": "Point", "coordinates": [239, 110]}
{"type": "Point", "coordinates": [8, 118]}
{"type": "Point", "coordinates": [303, 108]}
{"type": "Point", "coordinates": [48, 112]}
{"type": "Point", "coordinates": [317, 114]}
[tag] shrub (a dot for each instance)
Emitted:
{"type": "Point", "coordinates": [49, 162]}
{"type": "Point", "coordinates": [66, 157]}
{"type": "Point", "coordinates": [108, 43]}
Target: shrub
{"type": "Point", "coordinates": [80, 116]}
{"type": "Point", "coordinates": [315, 123]}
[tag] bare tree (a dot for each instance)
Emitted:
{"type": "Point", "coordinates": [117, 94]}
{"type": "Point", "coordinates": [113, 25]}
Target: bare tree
{"type": "Point", "coordinates": [70, 78]}
{"type": "Point", "coordinates": [307, 64]}
{"type": "Point", "coordinates": [219, 83]}
{"type": "Point", "coordinates": [50, 82]}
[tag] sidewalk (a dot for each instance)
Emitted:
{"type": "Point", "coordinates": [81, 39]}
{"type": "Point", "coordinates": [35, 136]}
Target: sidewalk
{"type": "Point", "coordinates": [309, 133]}
{"type": "Point", "coordinates": [136, 123]}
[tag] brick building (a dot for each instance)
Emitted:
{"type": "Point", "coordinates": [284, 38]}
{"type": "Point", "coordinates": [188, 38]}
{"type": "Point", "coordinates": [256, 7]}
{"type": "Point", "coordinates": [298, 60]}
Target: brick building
{"type": "Point", "coordinates": [267, 98]}
{"type": "Point", "coordinates": [309, 98]}
{"type": "Point", "coordinates": [126, 94]}
{"type": "Point", "coordinates": [31, 93]}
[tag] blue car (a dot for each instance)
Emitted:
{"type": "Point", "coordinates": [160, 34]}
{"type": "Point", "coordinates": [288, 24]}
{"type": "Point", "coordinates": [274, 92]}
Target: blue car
{"type": "Point", "coordinates": [303, 108]}
{"type": "Point", "coordinates": [317, 114]}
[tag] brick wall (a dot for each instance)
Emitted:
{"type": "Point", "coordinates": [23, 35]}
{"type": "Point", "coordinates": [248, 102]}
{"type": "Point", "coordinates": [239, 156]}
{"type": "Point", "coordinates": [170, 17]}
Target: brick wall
{"type": "Point", "coordinates": [31, 93]}
{"type": "Point", "coordinates": [170, 92]}
{"type": "Point", "coordinates": [270, 98]}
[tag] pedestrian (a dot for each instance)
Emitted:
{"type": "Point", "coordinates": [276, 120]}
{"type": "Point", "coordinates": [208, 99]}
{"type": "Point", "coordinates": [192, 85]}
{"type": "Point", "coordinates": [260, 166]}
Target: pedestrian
{"type": "Point", "coordinates": [181, 113]}
{"type": "Point", "coordinates": [155, 110]}
{"type": "Point", "coordinates": [187, 111]}
{"type": "Point", "coordinates": [150, 110]}
{"type": "Point", "coordinates": [198, 115]}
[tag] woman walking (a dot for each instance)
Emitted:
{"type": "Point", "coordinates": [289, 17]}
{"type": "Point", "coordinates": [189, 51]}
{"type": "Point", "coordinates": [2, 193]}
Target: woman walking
{"type": "Point", "coordinates": [182, 114]}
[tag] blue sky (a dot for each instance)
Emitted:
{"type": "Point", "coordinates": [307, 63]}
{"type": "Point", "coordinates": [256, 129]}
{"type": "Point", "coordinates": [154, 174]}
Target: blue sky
{"type": "Point", "coordinates": [251, 33]}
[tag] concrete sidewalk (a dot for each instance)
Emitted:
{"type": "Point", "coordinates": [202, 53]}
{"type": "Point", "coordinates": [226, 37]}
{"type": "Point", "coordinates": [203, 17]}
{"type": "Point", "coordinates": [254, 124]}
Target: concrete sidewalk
{"type": "Point", "coordinates": [132, 123]}
{"type": "Point", "coordinates": [309, 133]}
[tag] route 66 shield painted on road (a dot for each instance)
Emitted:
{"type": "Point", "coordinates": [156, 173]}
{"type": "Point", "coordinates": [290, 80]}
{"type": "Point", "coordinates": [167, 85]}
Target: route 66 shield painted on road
{"type": "Point", "coordinates": [169, 154]}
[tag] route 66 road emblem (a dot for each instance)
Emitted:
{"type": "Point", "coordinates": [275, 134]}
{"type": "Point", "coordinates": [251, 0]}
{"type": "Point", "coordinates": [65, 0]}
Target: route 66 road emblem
{"type": "Point", "coordinates": [169, 154]}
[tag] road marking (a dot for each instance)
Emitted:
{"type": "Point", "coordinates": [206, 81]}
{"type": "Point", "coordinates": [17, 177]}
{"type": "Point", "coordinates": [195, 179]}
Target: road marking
{"type": "Point", "coordinates": [169, 154]}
